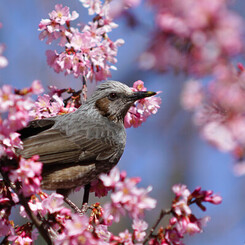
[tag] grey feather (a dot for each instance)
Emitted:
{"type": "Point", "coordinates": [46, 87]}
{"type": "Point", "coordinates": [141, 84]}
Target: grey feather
{"type": "Point", "coordinates": [75, 148]}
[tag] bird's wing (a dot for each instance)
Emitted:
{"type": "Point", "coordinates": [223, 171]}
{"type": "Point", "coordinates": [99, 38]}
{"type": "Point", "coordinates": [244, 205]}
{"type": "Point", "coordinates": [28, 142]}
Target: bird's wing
{"type": "Point", "coordinates": [55, 146]}
{"type": "Point", "coordinates": [51, 146]}
{"type": "Point", "coordinates": [36, 126]}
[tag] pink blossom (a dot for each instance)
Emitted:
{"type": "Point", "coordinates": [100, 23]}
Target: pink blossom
{"type": "Point", "coordinates": [22, 240]}
{"type": "Point", "coordinates": [19, 119]}
{"type": "Point", "coordinates": [139, 226]}
{"type": "Point", "coordinates": [5, 226]}
{"type": "Point", "coordinates": [191, 225]}
{"type": "Point", "coordinates": [239, 168]}
{"type": "Point", "coordinates": [108, 216]}
{"type": "Point", "coordinates": [117, 8]}
{"type": "Point", "coordinates": [47, 106]}
{"type": "Point", "coordinates": [77, 224]}
{"type": "Point", "coordinates": [113, 212]}
{"type": "Point", "coordinates": [111, 179]}
{"type": "Point", "coordinates": [193, 36]}
{"type": "Point", "coordinates": [53, 203]}
{"type": "Point", "coordinates": [181, 208]}
{"type": "Point", "coordinates": [13, 141]}
{"type": "Point", "coordinates": [172, 236]}
{"type": "Point", "coordinates": [139, 86]}
{"type": "Point", "coordinates": [99, 188]}
{"type": "Point", "coordinates": [76, 232]}
{"type": "Point", "coordinates": [183, 221]}
{"type": "Point", "coordinates": [3, 59]}
{"type": "Point", "coordinates": [103, 233]}
{"type": "Point", "coordinates": [35, 206]}
{"type": "Point", "coordinates": [29, 174]}
{"type": "Point", "coordinates": [206, 196]}
{"type": "Point", "coordinates": [37, 87]}
{"type": "Point", "coordinates": [125, 237]}
{"type": "Point", "coordinates": [7, 98]}
{"type": "Point", "coordinates": [17, 106]}
{"type": "Point", "coordinates": [53, 28]}
{"type": "Point", "coordinates": [133, 118]}
{"type": "Point", "coordinates": [123, 191]}
{"type": "Point", "coordinates": [51, 31]}
{"type": "Point", "coordinates": [88, 52]}
{"type": "Point", "coordinates": [142, 109]}
{"type": "Point", "coordinates": [181, 191]}
{"type": "Point", "coordinates": [94, 6]}
{"type": "Point", "coordinates": [61, 14]}
{"type": "Point", "coordinates": [192, 95]}
{"type": "Point", "coordinates": [127, 196]}
{"type": "Point", "coordinates": [219, 109]}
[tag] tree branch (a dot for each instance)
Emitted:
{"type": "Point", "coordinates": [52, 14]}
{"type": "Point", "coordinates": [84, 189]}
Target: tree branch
{"type": "Point", "coordinates": [44, 233]}
{"type": "Point", "coordinates": [153, 228]}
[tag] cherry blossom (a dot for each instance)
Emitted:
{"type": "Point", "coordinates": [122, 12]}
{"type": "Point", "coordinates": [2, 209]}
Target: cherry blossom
{"type": "Point", "coordinates": [94, 6]}
{"type": "Point", "coordinates": [218, 109]}
{"type": "Point", "coordinates": [5, 226]}
{"type": "Point", "coordinates": [53, 203]}
{"type": "Point", "coordinates": [127, 196]}
{"type": "Point", "coordinates": [139, 226]}
{"type": "Point", "coordinates": [142, 109]}
{"type": "Point", "coordinates": [89, 51]}
{"type": "Point", "coordinates": [184, 221]}
{"type": "Point", "coordinates": [194, 41]}
{"type": "Point", "coordinates": [76, 231]}
{"type": "Point", "coordinates": [15, 107]}
{"type": "Point", "coordinates": [47, 106]}
{"type": "Point", "coordinates": [29, 174]}
{"type": "Point", "coordinates": [3, 59]}
{"type": "Point", "coordinates": [192, 36]}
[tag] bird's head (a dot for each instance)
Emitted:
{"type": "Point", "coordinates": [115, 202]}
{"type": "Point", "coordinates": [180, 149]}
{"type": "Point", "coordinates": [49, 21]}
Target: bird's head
{"type": "Point", "coordinates": [113, 99]}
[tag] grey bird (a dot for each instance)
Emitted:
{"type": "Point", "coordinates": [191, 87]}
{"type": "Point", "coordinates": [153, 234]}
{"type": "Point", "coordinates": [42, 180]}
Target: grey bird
{"type": "Point", "coordinates": [76, 148]}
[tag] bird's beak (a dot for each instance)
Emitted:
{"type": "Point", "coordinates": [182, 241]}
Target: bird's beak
{"type": "Point", "coordinates": [141, 94]}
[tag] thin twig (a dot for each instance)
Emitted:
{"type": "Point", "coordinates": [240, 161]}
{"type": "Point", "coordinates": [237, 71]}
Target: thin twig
{"type": "Point", "coordinates": [153, 228]}
{"type": "Point", "coordinates": [31, 215]}
{"type": "Point", "coordinates": [72, 205]}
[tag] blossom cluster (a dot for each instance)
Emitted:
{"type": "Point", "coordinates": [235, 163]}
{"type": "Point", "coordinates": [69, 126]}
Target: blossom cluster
{"type": "Point", "coordinates": [142, 109]}
{"type": "Point", "coordinates": [28, 174]}
{"type": "Point", "coordinates": [66, 227]}
{"type": "Point", "coordinates": [50, 106]}
{"type": "Point", "coordinates": [112, 9]}
{"type": "Point", "coordinates": [219, 110]}
{"type": "Point", "coordinates": [88, 51]}
{"type": "Point", "coordinates": [14, 108]}
{"type": "Point", "coordinates": [7, 200]}
{"type": "Point", "coordinates": [192, 36]}
{"type": "Point", "coordinates": [183, 220]}
{"type": "Point", "coordinates": [26, 180]}
{"type": "Point", "coordinates": [72, 227]}
{"type": "Point", "coordinates": [126, 197]}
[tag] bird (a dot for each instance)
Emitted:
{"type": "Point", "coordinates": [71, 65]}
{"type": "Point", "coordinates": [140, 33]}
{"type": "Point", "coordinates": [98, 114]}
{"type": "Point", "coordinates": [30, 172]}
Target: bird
{"type": "Point", "coordinates": [75, 148]}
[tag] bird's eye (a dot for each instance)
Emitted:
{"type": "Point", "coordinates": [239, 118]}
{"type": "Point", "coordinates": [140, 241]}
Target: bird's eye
{"type": "Point", "coordinates": [112, 96]}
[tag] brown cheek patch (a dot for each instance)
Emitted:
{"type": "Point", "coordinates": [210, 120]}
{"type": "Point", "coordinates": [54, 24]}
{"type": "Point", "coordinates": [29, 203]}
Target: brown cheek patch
{"type": "Point", "coordinates": [103, 106]}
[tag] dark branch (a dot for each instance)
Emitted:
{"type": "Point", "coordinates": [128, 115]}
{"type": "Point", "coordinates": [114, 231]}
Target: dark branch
{"type": "Point", "coordinates": [153, 228]}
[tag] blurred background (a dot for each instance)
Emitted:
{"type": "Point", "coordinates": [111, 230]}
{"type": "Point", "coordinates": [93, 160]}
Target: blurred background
{"type": "Point", "coordinates": [166, 149]}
